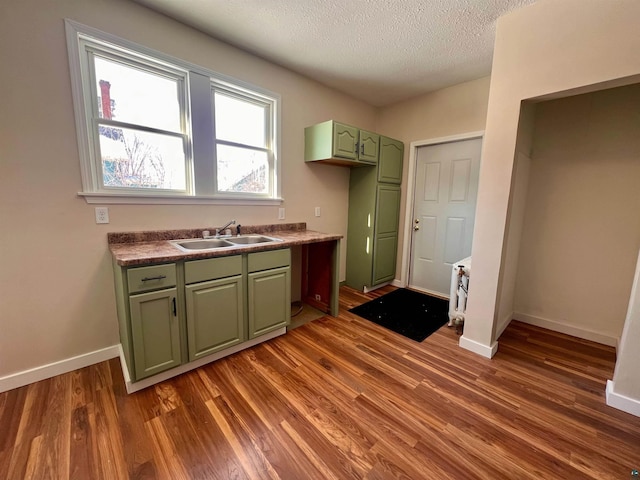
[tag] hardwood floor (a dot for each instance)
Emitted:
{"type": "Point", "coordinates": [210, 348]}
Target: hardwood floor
{"type": "Point", "coordinates": [335, 399]}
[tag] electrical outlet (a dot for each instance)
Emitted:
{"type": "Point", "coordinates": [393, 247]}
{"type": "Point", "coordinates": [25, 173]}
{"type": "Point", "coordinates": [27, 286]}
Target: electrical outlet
{"type": "Point", "coordinates": [317, 211]}
{"type": "Point", "coordinates": [102, 215]}
{"type": "Point", "coordinates": [318, 297]}
{"type": "Point", "coordinates": [281, 214]}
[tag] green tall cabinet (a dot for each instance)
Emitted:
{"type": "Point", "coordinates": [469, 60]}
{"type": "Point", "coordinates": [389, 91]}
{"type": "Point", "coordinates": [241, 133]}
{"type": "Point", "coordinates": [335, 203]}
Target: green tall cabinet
{"type": "Point", "coordinates": [374, 209]}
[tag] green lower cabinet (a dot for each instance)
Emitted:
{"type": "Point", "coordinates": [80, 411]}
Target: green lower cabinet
{"type": "Point", "coordinates": [269, 297]}
{"type": "Point", "coordinates": [175, 313]}
{"type": "Point", "coordinates": [155, 332]}
{"type": "Point", "coordinates": [215, 316]}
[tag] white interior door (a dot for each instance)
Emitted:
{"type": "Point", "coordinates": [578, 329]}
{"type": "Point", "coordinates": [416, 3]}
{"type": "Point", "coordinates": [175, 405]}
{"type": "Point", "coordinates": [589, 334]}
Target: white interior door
{"type": "Point", "coordinates": [444, 205]}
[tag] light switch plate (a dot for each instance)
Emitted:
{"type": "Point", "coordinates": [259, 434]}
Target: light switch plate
{"type": "Point", "coordinates": [317, 211]}
{"type": "Point", "coordinates": [281, 214]}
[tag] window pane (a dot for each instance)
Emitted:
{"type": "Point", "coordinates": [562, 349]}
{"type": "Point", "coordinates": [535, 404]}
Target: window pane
{"type": "Point", "coordinates": [136, 159]}
{"type": "Point", "coordinates": [133, 95]}
{"type": "Point", "coordinates": [239, 121]}
{"type": "Point", "coordinates": [242, 170]}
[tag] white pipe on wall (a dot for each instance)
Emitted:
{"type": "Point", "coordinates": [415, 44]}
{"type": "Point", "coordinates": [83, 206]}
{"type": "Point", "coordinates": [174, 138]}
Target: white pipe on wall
{"type": "Point", "coordinates": [459, 292]}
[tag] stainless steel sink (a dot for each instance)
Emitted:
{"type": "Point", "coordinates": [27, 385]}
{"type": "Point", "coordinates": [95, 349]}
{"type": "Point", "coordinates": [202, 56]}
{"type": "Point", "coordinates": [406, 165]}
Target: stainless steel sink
{"type": "Point", "coordinates": [222, 243]}
{"type": "Point", "coordinates": [252, 239]}
{"type": "Point", "coordinates": [202, 244]}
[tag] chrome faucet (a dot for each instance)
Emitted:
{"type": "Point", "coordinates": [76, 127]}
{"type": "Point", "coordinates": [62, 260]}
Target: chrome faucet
{"type": "Point", "coordinates": [222, 229]}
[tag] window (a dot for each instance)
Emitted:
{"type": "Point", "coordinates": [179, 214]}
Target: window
{"type": "Point", "coordinates": [138, 118]}
{"type": "Point", "coordinates": [242, 150]}
{"type": "Point", "coordinates": [156, 129]}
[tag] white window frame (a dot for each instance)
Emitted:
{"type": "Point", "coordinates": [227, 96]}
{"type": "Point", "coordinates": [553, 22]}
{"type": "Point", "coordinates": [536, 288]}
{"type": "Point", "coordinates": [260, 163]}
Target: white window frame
{"type": "Point", "coordinates": [249, 97]}
{"type": "Point", "coordinates": [199, 136]}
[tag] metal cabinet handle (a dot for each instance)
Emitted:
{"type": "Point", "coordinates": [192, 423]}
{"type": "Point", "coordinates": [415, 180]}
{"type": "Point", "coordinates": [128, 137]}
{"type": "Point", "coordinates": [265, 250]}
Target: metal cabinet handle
{"type": "Point", "coordinates": [175, 310]}
{"type": "Point", "coordinates": [362, 149]}
{"type": "Point", "coordinates": [159, 277]}
{"type": "Point", "coordinates": [416, 228]}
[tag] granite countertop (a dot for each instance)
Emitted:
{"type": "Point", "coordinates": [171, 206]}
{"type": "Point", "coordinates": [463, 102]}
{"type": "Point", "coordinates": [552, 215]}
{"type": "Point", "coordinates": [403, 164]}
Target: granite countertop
{"type": "Point", "coordinates": [138, 248]}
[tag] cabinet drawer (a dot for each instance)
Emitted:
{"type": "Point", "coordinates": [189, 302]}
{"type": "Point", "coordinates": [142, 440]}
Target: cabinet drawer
{"type": "Point", "coordinates": [142, 279]}
{"type": "Point", "coordinates": [212, 268]}
{"type": "Point", "coordinates": [270, 259]}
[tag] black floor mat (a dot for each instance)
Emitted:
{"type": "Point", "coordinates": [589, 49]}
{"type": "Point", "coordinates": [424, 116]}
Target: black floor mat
{"type": "Point", "coordinates": [409, 313]}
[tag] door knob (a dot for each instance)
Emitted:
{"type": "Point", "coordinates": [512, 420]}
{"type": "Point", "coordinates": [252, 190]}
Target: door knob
{"type": "Point", "coordinates": [416, 228]}
{"type": "Point", "coordinates": [416, 221]}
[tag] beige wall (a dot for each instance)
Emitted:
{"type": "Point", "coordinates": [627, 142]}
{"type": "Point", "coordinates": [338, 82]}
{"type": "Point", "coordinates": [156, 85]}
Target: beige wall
{"type": "Point", "coordinates": [451, 111]}
{"type": "Point", "coordinates": [582, 229]}
{"type": "Point", "coordinates": [549, 48]}
{"type": "Point", "coordinates": [515, 219]}
{"type": "Point", "coordinates": [545, 48]}
{"type": "Point", "coordinates": [56, 284]}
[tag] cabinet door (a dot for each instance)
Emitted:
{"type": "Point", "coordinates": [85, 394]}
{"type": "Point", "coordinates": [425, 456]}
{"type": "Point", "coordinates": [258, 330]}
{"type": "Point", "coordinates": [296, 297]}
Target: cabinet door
{"type": "Point", "coordinates": [369, 147]}
{"type": "Point", "coordinates": [269, 300]}
{"type": "Point", "coordinates": [387, 209]}
{"type": "Point", "coordinates": [390, 164]}
{"type": "Point", "coordinates": [155, 332]}
{"type": "Point", "coordinates": [384, 259]}
{"type": "Point", "coordinates": [215, 316]}
{"type": "Point", "coordinates": [385, 243]}
{"type": "Point", "coordinates": [345, 141]}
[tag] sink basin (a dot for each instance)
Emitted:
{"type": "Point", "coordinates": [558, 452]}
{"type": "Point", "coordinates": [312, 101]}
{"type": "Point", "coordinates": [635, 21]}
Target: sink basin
{"type": "Point", "coordinates": [198, 244]}
{"type": "Point", "coordinates": [202, 244]}
{"type": "Point", "coordinates": [252, 239]}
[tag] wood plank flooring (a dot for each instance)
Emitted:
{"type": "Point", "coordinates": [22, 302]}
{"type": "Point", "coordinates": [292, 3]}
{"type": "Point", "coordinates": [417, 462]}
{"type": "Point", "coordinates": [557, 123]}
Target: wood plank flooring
{"type": "Point", "coordinates": [335, 399]}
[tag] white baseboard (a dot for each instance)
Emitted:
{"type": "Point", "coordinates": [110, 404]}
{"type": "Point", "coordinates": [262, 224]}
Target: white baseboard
{"type": "Point", "coordinates": [572, 330]}
{"type": "Point", "coordinates": [43, 372]}
{"type": "Point", "coordinates": [375, 287]}
{"type": "Point", "coordinates": [479, 348]}
{"type": "Point", "coordinates": [398, 283]}
{"type": "Point", "coordinates": [622, 402]}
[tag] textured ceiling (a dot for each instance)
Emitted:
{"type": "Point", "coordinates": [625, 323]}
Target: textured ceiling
{"type": "Point", "coordinates": [380, 51]}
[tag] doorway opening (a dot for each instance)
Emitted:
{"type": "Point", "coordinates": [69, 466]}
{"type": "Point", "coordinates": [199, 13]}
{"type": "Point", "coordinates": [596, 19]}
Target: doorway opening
{"type": "Point", "coordinates": [580, 229]}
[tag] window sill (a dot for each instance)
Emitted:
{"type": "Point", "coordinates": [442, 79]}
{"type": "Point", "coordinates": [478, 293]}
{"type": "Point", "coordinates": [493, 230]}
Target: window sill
{"type": "Point", "coordinates": [124, 199]}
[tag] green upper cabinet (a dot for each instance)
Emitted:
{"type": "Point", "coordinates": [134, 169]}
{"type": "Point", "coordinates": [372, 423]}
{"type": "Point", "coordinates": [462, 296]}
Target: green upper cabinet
{"type": "Point", "coordinates": [345, 141]}
{"type": "Point", "coordinates": [390, 165]}
{"type": "Point", "coordinates": [369, 147]}
{"type": "Point", "coordinates": [340, 144]}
